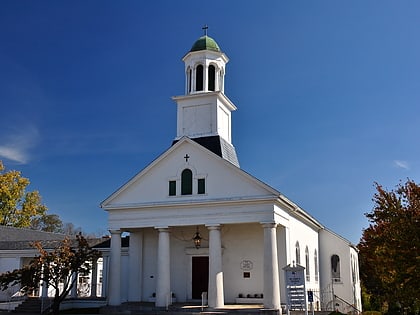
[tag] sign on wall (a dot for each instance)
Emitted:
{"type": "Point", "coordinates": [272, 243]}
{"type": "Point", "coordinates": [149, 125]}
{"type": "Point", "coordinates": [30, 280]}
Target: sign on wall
{"type": "Point", "coordinates": [295, 277]}
{"type": "Point", "coordinates": [247, 265]}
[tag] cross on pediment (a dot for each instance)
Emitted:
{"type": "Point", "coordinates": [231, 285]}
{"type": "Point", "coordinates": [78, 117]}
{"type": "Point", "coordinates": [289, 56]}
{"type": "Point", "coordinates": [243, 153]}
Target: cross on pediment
{"type": "Point", "coordinates": [186, 157]}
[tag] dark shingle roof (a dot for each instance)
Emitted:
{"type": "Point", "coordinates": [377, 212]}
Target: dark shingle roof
{"type": "Point", "coordinates": [12, 238]}
{"type": "Point", "coordinates": [8, 233]}
{"type": "Point", "coordinates": [219, 146]}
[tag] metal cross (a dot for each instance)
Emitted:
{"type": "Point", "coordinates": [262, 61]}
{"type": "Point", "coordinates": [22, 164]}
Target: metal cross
{"type": "Point", "coordinates": [205, 28]}
{"type": "Point", "coordinates": [186, 157]}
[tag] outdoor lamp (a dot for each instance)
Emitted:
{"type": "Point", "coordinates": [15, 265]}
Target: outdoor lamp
{"type": "Point", "coordinates": [197, 239]}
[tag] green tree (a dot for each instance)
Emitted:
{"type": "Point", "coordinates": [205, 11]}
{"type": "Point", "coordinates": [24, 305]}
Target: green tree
{"type": "Point", "coordinates": [55, 267]}
{"type": "Point", "coordinates": [47, 223]}
{"type": "Point", "coordinates": [390, 249]}
{"type": "Point", "coordinates": [17, 206]}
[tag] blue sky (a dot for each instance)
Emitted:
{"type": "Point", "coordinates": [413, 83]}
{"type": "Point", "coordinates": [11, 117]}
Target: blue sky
{"type": "Point", "coordinates": [328, 96]}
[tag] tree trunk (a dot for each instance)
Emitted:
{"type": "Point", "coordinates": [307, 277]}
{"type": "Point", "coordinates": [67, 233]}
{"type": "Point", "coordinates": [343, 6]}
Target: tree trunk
{"type": "Point", "coordinates": [55, 308]}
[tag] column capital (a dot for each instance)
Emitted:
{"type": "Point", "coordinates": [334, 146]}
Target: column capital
{"type": "Point", "coordinates": [115, 231]}
{"type": "Point", "coordinates": [162, 228]}
{"type": "Point", "coordinates": [213, 226]}
{"type": "Point", "coordinates": [268, 225]}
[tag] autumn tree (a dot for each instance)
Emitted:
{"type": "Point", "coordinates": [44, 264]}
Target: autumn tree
{"type": "Point", "coordinates": [18, 206]}
{"type": "Point", "coordinates": [21, 208]}
{"type": "Point", "coordinates": [54, 267]}
{"type": "Point", "coordinates": [390, 249]}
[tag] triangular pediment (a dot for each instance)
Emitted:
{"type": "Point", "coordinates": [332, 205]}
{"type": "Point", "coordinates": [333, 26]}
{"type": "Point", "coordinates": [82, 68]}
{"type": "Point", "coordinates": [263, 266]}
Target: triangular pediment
{"type": "Point", "coordinates": [222, 180]}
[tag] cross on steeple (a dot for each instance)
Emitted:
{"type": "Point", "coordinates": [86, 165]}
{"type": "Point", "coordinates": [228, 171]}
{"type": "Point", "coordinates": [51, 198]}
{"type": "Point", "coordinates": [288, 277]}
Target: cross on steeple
{"type": "Point", "coordinates": [205, 28]}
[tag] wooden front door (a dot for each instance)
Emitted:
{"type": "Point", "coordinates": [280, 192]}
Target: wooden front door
{"type": "Point", "coordinates": [200, 276]}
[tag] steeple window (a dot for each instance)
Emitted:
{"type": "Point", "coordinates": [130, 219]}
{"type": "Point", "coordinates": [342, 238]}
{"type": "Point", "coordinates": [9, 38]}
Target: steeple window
{"type": "Point", "coordinates": [186, 182]}
{"type": "Point", "coordinates": [199, 71]}
{"type": "Point", "coordinates": [212, 78]}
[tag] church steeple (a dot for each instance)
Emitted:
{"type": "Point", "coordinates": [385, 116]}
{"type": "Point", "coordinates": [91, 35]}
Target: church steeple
{"type": "Point", "coordinates": [205, 67]}
{"type": "Point", "coordinates": [204, 112]}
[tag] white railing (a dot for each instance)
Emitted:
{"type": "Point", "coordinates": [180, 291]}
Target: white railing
{"type": "Point", "coordinates": [203, 300]}
{"type": "Point", "coordinates": [21, 293]}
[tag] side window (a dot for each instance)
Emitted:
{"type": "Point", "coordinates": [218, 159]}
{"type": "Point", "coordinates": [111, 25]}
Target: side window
{"type": "Point", "coordinates": [335, 268]}
{"type": "Point", "coordinates": [172, 188]}
{"type": "Point", "coordinates": [297, 253]}
{"type": "Point", "coordinates": [201, 186]}
{"type": "Point", "coordinates": [316, 264]}
{"type": "Point", "coordinates": [307, 269]}
{"type": "Point", "coordinates": [186, 182]}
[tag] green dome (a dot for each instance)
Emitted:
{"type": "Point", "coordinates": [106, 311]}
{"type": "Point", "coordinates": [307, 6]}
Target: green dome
{"type": "Point", "coordinates": [205, 43]}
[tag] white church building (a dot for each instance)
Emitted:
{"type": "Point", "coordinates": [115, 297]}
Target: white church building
{"type": "Point", "coordinates": [199, 223]}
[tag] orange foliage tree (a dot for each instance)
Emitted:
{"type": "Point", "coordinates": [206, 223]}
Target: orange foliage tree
{"type": "Point", "coordinates": [390, 249]}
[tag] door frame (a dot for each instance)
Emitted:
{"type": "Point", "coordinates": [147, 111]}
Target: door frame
{"type": "Point", "coordinates": [190, 252]}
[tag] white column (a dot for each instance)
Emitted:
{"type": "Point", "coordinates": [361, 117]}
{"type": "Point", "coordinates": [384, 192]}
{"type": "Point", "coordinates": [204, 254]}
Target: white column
{"type": "Point", "coordinates": [271, 270]}
{"type": "Point", "coordinates": [163, 277]}
{"type": "Point", "coordinates": [193, 78]}
{"type": "Point", "coordinates": [114, 287]}
{"type": "Point", "coordinates": [205, 76]}
{"type": "Point", "coordinates": [105, 273]}
{"type": "Point", "coordinates": [94, 284]}
{"type": "Point", "coordinates": [186, 81]}
{"type": "Point", "coordinates": [44, 289]}
{"type": "Point", "coordinates": [215, 294]}
{"type": "Point", "coordinates": [135, 266]}
{"type": "Point", "coordinates": [73, 291]}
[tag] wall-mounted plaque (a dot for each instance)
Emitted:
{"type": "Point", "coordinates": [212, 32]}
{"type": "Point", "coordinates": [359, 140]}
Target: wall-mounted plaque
{"type": "Point", "coordinates": [247, 265]}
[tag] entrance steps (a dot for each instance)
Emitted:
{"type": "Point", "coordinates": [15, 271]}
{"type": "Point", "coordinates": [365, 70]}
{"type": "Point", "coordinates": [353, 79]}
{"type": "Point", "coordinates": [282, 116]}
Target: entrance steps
{"type": "Point", "coordinates": [32, 305]}
{"type": "Point", "coordinates": [187, 309]}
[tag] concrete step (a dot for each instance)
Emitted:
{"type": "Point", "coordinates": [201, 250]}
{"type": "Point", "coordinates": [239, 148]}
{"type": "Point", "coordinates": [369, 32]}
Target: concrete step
{"type": "Point", "coordinates": [31, 305]}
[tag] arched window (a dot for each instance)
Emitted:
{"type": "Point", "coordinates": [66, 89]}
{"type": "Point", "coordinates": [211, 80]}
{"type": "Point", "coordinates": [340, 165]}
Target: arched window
{"type": "Point", "coordinates": [307, 270]}
{"type": "Point", "coordinates": [335, 268]}
{"type": "Point", "coordinates": [186, 182]}
{"type": "Point", "coordinates": [199, 78]}
{"type": "Point", "coordinates": [212, 78]}
{"type": "Point", "coordinates": [297, 253]}
{"type": "Point", "coordinates": [316, 264]}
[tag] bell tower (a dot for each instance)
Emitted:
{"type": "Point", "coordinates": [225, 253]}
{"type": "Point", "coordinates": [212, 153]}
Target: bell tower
{"type": "Point", "coordinates": [204, 112]}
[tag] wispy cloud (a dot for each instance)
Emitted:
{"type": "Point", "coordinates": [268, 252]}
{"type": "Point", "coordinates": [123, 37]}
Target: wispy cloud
{"type": "Point", "coordinates": [15, 146]}
{"type": "Point", "coordinates": [402, 164]}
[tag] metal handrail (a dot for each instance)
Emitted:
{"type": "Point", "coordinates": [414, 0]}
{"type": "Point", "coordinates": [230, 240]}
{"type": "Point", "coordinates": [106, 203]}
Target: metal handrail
{"type": "Point", "coordinates": [203, 300]}
{"type": "Point", "coordinates": [348, 304]}
{"type": "Point", "coordinates": [19, 293]}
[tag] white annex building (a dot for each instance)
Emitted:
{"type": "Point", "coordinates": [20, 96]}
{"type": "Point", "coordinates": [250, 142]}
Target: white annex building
{"type": "Point", "coordinates": [199, 223]}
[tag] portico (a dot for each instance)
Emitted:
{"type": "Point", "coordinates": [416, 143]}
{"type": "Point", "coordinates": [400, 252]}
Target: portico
{"type": "Point", "coordinates": [175, 260]}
